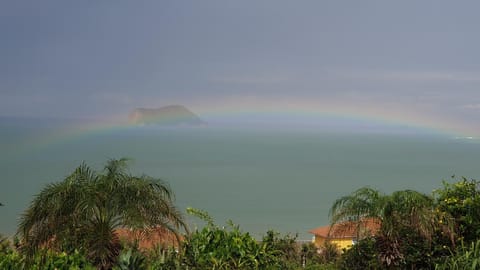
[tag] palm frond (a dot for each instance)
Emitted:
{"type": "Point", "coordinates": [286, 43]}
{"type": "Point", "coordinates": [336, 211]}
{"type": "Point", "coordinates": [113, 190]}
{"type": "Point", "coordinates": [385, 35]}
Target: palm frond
{"type": "Point", "coordinates": [364, 202]}
{"type": "Point", "coordinates": [87, 207]}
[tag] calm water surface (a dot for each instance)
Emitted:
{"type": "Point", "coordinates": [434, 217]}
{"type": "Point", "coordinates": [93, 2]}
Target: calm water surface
{"type": "Point", "coordinates": [260, 179]}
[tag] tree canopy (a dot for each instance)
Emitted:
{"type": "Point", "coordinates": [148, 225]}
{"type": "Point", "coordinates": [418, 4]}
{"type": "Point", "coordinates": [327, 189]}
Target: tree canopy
{"type": "Point", "coordinates": [83, 211]}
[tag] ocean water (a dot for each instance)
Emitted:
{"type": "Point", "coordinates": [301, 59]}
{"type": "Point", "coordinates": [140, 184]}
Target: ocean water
{"type": "Point", "coordinates": [261, 179]}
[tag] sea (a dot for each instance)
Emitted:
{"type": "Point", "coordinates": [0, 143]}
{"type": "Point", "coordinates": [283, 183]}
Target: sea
{"type": "Point", "coordinates": [261, 178]}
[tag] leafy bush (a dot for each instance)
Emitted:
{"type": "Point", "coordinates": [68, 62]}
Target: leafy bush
{"type": "Point", "coordinates": [85, 210]}
{"type": "Point", "coordinates": [466, 257]}
{"type": "Point", "coordinates": [325, 259]}
{"type": "Point", "coordinates": [44, 260]}
{"type": "Point", "coordinates": [5, 244]}
{"type": "Point", "coordinates": [362, 255]}
{"type": "Point", "coordinates": [164, 258]}
{"type": "Point", "coordinates": [225, 248]}
{"type": "Point", "coordinates": [11, 260]}
{"type": "Point", "coordinates": [131, 259]}
{"type": "Point", "coordinates": [461, 201]}
{"type": "Point", "coordinates": [285, 249]}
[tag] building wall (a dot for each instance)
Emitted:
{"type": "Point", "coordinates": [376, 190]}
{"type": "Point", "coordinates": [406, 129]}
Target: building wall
{"type": "Point", "coordinates": [340, 242]}
{"type": "Point", "coordinates": [343, 243]}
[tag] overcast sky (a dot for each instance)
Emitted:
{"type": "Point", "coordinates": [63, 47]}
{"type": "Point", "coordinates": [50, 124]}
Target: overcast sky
{"type": "Point", "coordinates": [94, 58]}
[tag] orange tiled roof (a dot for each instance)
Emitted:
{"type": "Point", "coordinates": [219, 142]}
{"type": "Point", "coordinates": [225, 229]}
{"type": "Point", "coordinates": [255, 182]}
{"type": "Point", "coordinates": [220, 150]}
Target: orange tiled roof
{"type": "Point", "coordinates": [347, 229]}
{"type": "Point", "coordinates": [148, 239]}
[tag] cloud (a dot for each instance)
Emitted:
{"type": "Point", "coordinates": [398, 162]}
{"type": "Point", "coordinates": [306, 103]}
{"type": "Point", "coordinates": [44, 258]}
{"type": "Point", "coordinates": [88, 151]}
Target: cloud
{"type": "Point", "coordinates": [250, 79]}
{"type": "Point", "coordinates": [411, 76]}
{"type": "Point", "coordinates": [111, 98]}
{"type": "Point", "coordinates": [471, 106]}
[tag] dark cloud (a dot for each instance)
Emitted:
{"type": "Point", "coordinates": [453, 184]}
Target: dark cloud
{"type": "Point", "coordinates": [101, 57]}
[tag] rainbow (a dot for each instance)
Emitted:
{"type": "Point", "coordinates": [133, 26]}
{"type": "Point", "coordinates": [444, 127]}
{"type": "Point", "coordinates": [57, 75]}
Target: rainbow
{"type": "Point", "coordinates": [244, 108]}
{"type": "Point", "coordinates": [387, 114]}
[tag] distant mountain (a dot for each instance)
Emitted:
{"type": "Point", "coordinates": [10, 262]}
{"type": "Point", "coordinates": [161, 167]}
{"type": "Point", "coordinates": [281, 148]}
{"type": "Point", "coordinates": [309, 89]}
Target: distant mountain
{"type": "Point", "coordinates": [173, 115]}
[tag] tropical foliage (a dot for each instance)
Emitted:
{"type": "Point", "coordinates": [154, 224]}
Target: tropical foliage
{"type": "Point", "coordinates": [465, 257]}
{"type": "Point", "coordinates": [215, 247]}
{"type": "Point", "coordinates": [224, 248]}
{"type": "Point", "coordinates": [44, 259]}
{"type": "Point", "coordinates": [83, 211]}
{"type": "Point", "coordinates": [409, 223]}
{"type": "Point", "coordinates": [361, 256]}
{"type": "Point", "coordinates": [461, 202]}
{"type": "Point", "coordinates": [75, 224]}
{"type": "Point", "coordinates": [131, 259]}
{"type": "Point", "coordinates": [406, 208]}
{"type": "Point", "coordinates": [286, 250]}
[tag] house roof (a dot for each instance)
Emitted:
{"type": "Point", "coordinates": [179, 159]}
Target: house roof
{"type": "Point", "coordinates": [148, 239]}
{"type": "Point", "coordinates": [348, 229]}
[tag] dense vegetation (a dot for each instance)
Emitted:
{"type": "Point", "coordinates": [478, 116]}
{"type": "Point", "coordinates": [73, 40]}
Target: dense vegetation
{"type": "Point", "coordinates": [417, 231]}
{"type": "Point", "coordinates": [83, 212]}
{"type": "Point", "coordinates": [73, 225]}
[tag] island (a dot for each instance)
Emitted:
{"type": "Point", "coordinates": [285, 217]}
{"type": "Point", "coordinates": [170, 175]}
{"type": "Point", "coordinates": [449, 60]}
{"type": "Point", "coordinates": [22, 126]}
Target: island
{"type": "Point", "coordinates": [172, 115]}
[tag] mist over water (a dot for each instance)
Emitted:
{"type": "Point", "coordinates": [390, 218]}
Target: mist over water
{"type": "Point", "coordinates": [262, 177]}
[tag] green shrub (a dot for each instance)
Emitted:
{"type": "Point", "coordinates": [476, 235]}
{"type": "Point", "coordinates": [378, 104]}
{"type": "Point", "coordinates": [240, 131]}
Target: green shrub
{"type": "Point", "coordinates": [285, 249]}
{"type": "Point", "coordinates": [362, 255]}
{"type": "Point", "coordinates": [11, 260]}
{"type": "Point", "coordinates": [131, 259]}
{"type": "Point", "coordinates": [225, 248]}
{"type": "Point", "coordinates": [465, 257]}
{"type": "Point", "coordinates": [461, 201]}
{"type": "Point", "coordinates": [44, 260]}
{"type": "Point", "coordinates": [166, 258]}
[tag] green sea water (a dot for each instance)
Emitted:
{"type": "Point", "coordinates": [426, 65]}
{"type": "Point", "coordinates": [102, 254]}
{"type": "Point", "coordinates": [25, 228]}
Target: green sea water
{"type": "Point", "coordinates": [262, 179]}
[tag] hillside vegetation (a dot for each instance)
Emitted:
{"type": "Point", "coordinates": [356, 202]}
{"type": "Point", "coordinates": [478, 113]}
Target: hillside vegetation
{"type": "Point", "coordinates": [75, 224]}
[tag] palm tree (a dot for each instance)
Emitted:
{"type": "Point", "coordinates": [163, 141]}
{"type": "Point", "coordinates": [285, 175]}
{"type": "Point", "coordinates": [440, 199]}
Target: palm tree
{"type": "Point", "coordinates": [360, 204]}
{"type": "Point", "coordinates": [395, 212]}
{"type": "Point", "coordinates": [407, 207]}
{"type": "Point", "coordinates": [84, 210]}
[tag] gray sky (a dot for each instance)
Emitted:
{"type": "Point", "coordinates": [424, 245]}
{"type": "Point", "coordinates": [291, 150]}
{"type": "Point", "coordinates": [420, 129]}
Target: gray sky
{"type": "Point", "coordinates": [97, 58]}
